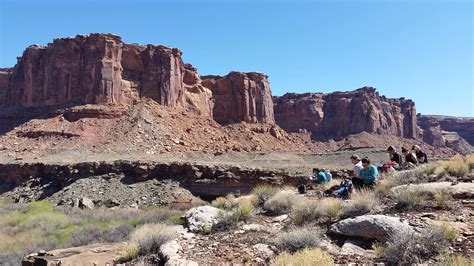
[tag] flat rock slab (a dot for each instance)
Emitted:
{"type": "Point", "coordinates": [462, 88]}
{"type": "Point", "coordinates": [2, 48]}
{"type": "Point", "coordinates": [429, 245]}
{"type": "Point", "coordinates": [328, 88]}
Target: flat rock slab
{"type": "Point", "coordinates": [461, 190]}
{"type": "Point", "coordinates": [96, 254]}
{"type": "Point", "coordinates": [374, 227]}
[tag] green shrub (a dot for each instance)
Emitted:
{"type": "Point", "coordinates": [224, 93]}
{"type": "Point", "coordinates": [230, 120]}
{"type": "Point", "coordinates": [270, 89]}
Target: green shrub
{"type": "Point", "coordinates": [310, 257]}
{"type": "Point", "coordinates": [298, 239]}
{"type": "Point", "coordinates": [306, 211]}
{"type": "Point", "coordinates": [263, 193]}
{"type": "Point", "coordinates": [282, 202]}
{"type": "Point", "coordinates": [150, 237]}
{"type": "Point", "coordinates": [442, 198]}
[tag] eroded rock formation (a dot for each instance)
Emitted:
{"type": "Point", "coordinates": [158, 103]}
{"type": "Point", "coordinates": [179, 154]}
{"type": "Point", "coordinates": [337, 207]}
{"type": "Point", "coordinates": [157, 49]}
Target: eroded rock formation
{"type": "Point", "coordinates": [445, 131]}
{"type": "Point", "coordinates": [241, 97]}
{"type": "Point", "coordinates": [5, 74]}
{"type": "Point", "coordinates": [339, 114]}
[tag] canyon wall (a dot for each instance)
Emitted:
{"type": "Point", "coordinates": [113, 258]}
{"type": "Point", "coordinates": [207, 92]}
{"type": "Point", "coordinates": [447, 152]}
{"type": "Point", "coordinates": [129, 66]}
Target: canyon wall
{"type": "Point", "coordinates": [5, 74]}
{"type": "Point", "coordinates": [339, 114]}
{"type": "Point", "coordinates": [447, 131]}
{"type": "Point", "coordinates": [241, 97]}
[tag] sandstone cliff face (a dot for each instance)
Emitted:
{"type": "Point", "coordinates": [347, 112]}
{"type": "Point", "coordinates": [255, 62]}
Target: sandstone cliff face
{"type": "Point", "coordinates": [339, 114]}
{"type": "Point", "coordinates": [81, 69]}
{"type": "Point", "coordinates": [198, 98]}
{"type": "Point", "coordinates": [241, 97]}
{"type": "Point", "coordinates": [97, 68]}
{"type": "Point", "coordinates": [5, 74]}
{"type": "Point", "coordinates": [453, 132]}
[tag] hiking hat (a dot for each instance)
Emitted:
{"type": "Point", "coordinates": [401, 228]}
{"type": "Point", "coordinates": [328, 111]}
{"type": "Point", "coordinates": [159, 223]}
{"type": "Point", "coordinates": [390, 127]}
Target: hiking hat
{"type": "Point", "coordinates": [391, 148]}
{"type": "Point", "coordinates": [355, 157]}
{"type": "Point", "coordinates": [404, 149]}
{"type": "Point", "coordinates": [415, 147]}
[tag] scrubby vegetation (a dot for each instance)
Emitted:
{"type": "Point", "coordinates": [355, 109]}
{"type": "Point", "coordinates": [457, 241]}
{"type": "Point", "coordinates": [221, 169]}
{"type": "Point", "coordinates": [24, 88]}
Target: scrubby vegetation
{"type": "Point", "coordinates": [241, 211]}
{"type": "Point", "coordinates": [298, 239]}
{"type": "Point", "coordinates": [282, 202]}
{"type": "Point", "coordinates": [26, 228]}
{"type": "Point", "coordinates": [264, 193]}
{"type": "Point", "coordinates": [362, 202]}
{"type": "Point", "coordinates": [406, 248]}
{"type": "Point", "coordinates": [150, 237]}
{"type": "Point", "coordinates": [304, 257]}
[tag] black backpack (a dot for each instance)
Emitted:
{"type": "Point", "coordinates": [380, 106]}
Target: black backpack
{"type": "Point", "coordinates": [302, 189]}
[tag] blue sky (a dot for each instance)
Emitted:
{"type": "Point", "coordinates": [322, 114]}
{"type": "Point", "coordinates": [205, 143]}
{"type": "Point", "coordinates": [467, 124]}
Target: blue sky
{"type": "Point", "coordinates": [421, 50]}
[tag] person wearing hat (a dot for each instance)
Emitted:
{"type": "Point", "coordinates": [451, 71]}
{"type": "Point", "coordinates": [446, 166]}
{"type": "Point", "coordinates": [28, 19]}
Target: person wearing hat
{"type": "Point", "coordinates": [420, 155]}
{"type": "Point", "coordinates": [355, 160]}
{"type": "Point", "coordinates": [410, 158]}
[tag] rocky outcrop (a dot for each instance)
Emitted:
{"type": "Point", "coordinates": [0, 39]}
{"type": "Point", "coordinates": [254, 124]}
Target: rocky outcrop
{"type": "Point", "coordinates": [83, 69]}
{"type": "Point", "coordinates": [445, 131]}
{"type": "Point", "coordinates": [198, 98]}
{"type": "Point", "coordinates": [154, 72]}
{"type": "Point", "coordinates": [462, 190]}
{"type": "Point", "coordinates": [97, 68]}
{"type": "Point", "coordinates": [5, 74]}
{"type": "Point", "coordinates": [241, 97]}
{"type": "Point", "coordinates": [339, 114]}
{"type": "Point", "coordinates": [202, 219]}
{"type": "Point", "coordinates": [374, 227]}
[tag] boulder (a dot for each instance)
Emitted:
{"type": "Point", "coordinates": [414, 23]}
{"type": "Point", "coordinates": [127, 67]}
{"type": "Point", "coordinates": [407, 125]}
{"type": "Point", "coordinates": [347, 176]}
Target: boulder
{"type": "Point", "coordinates": [461, 190]}
{"type": "Point", "coordinates": [96, 254]}
{"type": "Point", "coordinates": [202, 218]}
{"type": "Point", "coordinates": [241, 97]}
{"type": "Point", "coordinates": [373, 227]}
{"type": "Point", "coordinates": [339, 114]}
{"type": "Point", "coordinates": [86, 203]}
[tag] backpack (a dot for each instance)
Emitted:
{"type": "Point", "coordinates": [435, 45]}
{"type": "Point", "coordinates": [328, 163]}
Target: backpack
{"type": "Point", "coordinates": [302, 189]}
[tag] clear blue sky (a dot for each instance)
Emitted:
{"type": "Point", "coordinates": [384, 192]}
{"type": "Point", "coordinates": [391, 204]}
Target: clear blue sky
{"type": "Point", "coordinates": [421, 50]}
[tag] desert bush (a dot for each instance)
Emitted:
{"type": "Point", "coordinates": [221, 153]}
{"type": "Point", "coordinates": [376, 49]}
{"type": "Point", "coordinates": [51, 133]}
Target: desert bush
{"type": "Point", "coordinates": [304, 257]}
{"type": "Point", "coordinates": [442, 197]}
{"type": "Point", "coordinates": [470, 161]}
{"type": "Point", "coordinates": [331, 208]}
{"type": "Point", "coordinates": [282, 202]}
{"type": "Point", "coordinates": [150, 237]}
{"type": "Point", "coordinates": [457, 260]}
{"type": "Point", "coordinates": [264, 193]}
{"type": "Point", "coordinates": [306, 211]}
{"type": "Point", "coordinates": [227, 202]}
{"type": "Point", "coordinates": [324, 210]}
{"type": "Point", "coordinates": [362, 202]}
{"type": "Point", "coordinates": [298, 239]}
{"type": "Point", "coordinates": [231, 220]}
{"type": "Point", "coordinates": [409, 199]}
{"type": "Point", "coordinates": [406, 248]}
{"type": "Point", "coordinates": [131, 252]}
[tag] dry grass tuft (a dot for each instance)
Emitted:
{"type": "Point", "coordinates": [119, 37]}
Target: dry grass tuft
{"type": "Point", "coordinates": [362, 202]}
{"type": "Point", "coordinates": [310, 257]}
{"type": "Point", "coordinates": [264, 193]}
{"type": "Point", "coordinates": [298, 239]}
{"type": "Point", "coordinates": [470, 161]}
{"type": "Point", "coordinates": [150, 237]}
{"type": "Point", "coordinates": [282, 202]}
{"type": "Point", "coordinates": [406, 249]}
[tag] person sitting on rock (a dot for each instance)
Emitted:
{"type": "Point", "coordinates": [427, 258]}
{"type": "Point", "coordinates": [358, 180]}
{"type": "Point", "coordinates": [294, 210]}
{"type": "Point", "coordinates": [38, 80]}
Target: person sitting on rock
{"type": "Point", "coordinates": [395, 161]}
{"type": "Point", "coordinates": [410, 159]}
{"type": "Point", "coordinates": [328, 175]}
{"type": "Point", "coordinates": [420, 155]}
{"type": "Point", "coordinates": [319, 176]}
{"type": "Point", "coordinates": [367, 177]}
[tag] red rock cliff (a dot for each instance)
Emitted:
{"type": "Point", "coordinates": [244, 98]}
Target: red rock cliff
{"type": "Point", "coordinates": [339, 114]}
{"type": "Point", "coordinates": [241, 97]}
{"type": "Point", "coordinates": [83, 69]}
{"type": "Point", "coordinates": [97, 68]}
{"type": "Point", "coordinates": [5, 74]}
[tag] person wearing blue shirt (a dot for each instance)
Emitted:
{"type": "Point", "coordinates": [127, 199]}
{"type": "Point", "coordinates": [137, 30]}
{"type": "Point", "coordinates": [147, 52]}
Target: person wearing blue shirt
{"type": "Point", "coordinates": [368, 175]}
{"type": "Point", "coordinates": [319, 176]}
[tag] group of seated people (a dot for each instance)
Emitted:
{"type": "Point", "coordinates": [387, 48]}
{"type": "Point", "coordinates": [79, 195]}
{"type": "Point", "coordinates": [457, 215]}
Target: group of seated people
{"type": "Point", "coordinates": [366, 174]}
